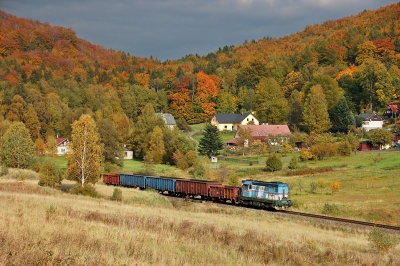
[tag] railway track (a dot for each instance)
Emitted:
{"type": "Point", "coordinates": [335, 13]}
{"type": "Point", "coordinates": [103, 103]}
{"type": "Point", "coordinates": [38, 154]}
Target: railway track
{"type": "Point", "coordinates": [392, 228]}
{"type": "Point", "coordinates": [323, 217]}
{"type": "Point", "coordinates": [342, 220]}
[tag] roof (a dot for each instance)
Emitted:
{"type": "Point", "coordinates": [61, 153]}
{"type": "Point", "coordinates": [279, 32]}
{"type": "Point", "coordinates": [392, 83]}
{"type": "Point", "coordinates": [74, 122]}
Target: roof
{"type": "Point", "coordinates": [371, 116]}
{"type": "Point", "coordinates": [266, 130]}
{"type": "Point", "coordinates": [231, 118]}
{"type": "Point", "coordinates": [61, 141]}
{"type": "Point", "coordinates": [169, 119]}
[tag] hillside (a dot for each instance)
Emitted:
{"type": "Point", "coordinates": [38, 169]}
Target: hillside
{"type": "Point", "coordinates": [60, 76]}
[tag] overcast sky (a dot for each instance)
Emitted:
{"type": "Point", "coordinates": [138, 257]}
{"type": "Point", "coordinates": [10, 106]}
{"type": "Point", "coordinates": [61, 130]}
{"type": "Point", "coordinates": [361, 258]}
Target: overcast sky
{"type": "Point", "coordinates": [171, 29]}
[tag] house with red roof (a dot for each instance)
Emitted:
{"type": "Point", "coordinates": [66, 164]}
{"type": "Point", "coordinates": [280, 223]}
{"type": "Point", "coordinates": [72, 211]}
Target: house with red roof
{"type": "Point", "coordinates": [62, 146]}
{"type": "Point", "coordinates": [263, 132]}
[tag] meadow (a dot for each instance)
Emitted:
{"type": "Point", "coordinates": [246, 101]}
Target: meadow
{"type": "Point", "coordinates": [45, 226]}
{"type": "Point", "coordinates": [48, 226]}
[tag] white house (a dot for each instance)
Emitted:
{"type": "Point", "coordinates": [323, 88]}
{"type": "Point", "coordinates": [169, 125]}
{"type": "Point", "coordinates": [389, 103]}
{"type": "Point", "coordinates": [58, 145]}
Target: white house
{"type": "Point", "coordinates": [371, 121]}
{"type": "Point", "coordinates": [62, 146]}
{"type": "Point", "coordinates": [231, 122]}
{"type": "Point", "coordinates": [169, 120]}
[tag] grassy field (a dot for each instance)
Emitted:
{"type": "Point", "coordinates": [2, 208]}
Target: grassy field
{"type": "Point", "coordinates": [44, 226]}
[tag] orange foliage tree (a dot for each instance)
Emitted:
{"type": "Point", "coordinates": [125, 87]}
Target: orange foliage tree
{"type": "Point", "coordinates": [206, 92]}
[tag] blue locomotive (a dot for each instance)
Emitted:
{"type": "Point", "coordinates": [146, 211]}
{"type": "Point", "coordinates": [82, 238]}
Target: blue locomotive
{"type": "Point", "coordinates": [252, 192]}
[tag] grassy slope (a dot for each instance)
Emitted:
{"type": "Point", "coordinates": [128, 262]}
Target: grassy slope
{"type": "Point", "coordinates": [43, 226]}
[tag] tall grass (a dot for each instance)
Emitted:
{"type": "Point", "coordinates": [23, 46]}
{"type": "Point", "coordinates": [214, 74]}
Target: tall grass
{"type": "Point", "coordinates": [39, 227]}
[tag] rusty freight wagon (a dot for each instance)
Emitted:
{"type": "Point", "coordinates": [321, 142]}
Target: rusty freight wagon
{"type": "Point", "coordinates": [193, 188]}
{"type": "Point", "coordinates": [224, 193]}
{"type": "Point", "coordinates": [111, 179]}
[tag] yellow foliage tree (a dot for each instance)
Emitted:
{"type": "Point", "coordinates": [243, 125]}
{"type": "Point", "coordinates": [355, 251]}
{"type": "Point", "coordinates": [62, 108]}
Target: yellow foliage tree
{"type": "Point", "coordinates": [85, 155]}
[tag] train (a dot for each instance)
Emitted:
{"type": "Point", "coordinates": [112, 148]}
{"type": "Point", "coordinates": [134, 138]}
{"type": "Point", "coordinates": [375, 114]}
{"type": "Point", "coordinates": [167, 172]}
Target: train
{"type": "Point", "coordinates": [260, 194]}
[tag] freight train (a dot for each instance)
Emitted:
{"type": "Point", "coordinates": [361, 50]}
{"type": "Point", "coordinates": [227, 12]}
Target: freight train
{"type": "Point", "coordinates": [252, 192]}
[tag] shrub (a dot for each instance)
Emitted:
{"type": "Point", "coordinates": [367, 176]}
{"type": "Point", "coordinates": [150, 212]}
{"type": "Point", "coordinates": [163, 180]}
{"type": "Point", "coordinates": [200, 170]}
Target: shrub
{"type": "Point", "coordinates": [180, 160]}
{"type": "Point", "coordinates": [324, 150]}
{"type": "Point", "coordinates": [344, 148]}
{"type": "Point", "coordinates": [111, 168]}
{"type": "Point", "coordinates": [233, 181]}
{"type": "Point", "coordinates": [86, 190]}
{"type": "Point", "coordinates": [313, 186]}
{"type": "Point", "coordinates": [305, 154]}
{"type": "Point", "coordinates": [330, 209]}
{"type": "Point", "coordinates": [380, 241]}
{"type": "Point", "coordinates": [335, 186]}
{"type": "Point", "coordinates": [50, 173]}
{"type": "Point", "coordinates": [4, 170]}
{"type": "Point", "coordinates": [273, 163]}
{"type": "Point", "coordinates": [294, 163]}
{"type": "Point", "coordinates": [117, 194]}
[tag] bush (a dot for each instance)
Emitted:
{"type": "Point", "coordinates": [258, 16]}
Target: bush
{"type": "Point", "coordinates": [273, 163]}
{"type": "Point", "coordinates": [324, 150]}
{"type": "Point", "coordinates": [305, 154]}
{"type": "Point", "coordinates": [86, 190]}
{"type": "Point", "coordinates": [50, 174]}
{"type": "Point", "coordinates": [294, 163]}
{"type": "Point", "coordinates": [335, 186]}
{"type": "Point", "coordinates": [344, 148]}
{"type": "Point", "coordinates": [313, 186]}
{"type": "Point", "coordinates": [380, 241]}
{"type": "Point", "coordinates": [233, 181]}
{"type": "Point", "coordinates": [111, 168]}
{"type": "Point", "coordinates": [330, 209]}
{"type": "Point", "coordinates": [117, 194]}
{"type": "Point", "coordinates": [4, 170]}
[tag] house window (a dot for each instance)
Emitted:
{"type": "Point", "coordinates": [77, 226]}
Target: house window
{"type": "Point", "coordinates": [225, 127]}
{"type": "Point", "coordinates": [63, 151]}
{"type": "Point", "coordinates": [247, 119]}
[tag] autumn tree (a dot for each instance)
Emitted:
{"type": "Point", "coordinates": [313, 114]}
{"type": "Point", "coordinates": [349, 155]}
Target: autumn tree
{"type": "Point", "coordinates": [380, 137]}
{"type": "Point", "coordinates": [211, 143]}
{"type": "Point", "coordinates": [113, 147]}
{"type": "Point", "coordinates": [315, 111]}
{"type": "Point", "coordinates": [206, 92]}
{"type": "Point", "coordinates": [17, 147]}
{"type": "Point", "coordinates": [329, 86]}
{"type": "Point", "coordinates": [85, 154]}
{"type": "Point", "coordinates": [141, 134]}
{"type": "Point", "coordinates": [375, 80]}
{"type": "Point", "coordinates": [271, 105]}
{"type": "Point", "coordinates": [226, 103]}
{"type": "Point", "coordinates": [246, 99]}
{"type": "Point", "coordinates": [245, 138]}
{"type": "Point", "coordinates": [156, 145]}
{"type": "Point", "coordinates": [295, 115]}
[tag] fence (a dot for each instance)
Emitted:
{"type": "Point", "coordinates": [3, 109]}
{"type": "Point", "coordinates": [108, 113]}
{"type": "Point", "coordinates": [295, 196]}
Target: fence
{"type": "Point", "coordinates": [237, 160]}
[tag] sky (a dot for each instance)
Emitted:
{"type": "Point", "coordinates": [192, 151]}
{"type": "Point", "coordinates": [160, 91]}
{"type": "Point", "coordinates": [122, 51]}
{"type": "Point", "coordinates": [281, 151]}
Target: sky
{"type": "Point", "coordinates": [172, 29]}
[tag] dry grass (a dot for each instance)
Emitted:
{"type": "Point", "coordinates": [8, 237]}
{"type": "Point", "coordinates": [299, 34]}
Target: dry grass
{"type": "Point", "coordinates": [42, 226]}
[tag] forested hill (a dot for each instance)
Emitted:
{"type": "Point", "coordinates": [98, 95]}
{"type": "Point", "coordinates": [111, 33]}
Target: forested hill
{"type": "Point", "coordinates": [49, 76]}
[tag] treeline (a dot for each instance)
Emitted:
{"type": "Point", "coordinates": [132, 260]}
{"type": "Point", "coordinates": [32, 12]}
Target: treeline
{"type": "Point", "coordinates": [316, 80]}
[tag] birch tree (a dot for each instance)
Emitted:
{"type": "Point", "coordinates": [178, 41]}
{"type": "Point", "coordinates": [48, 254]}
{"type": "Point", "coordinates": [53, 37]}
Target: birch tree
{"type": "Point", "coordinates": [85, 154]}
